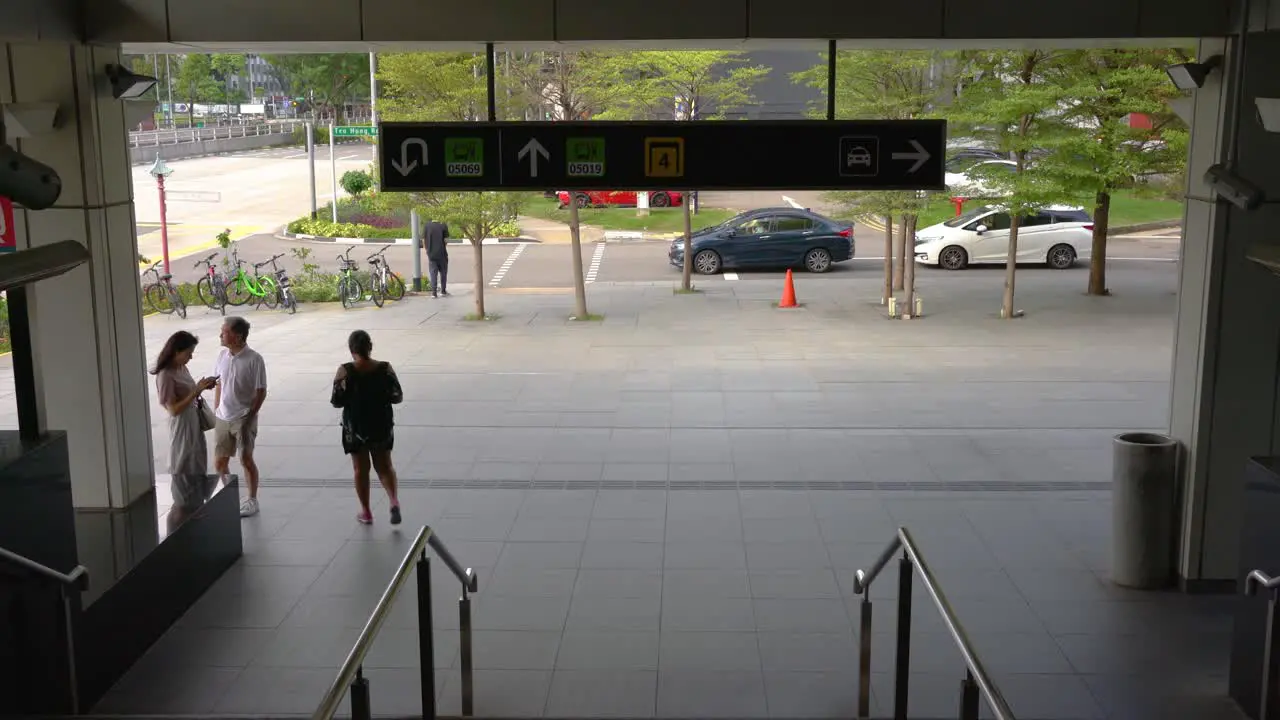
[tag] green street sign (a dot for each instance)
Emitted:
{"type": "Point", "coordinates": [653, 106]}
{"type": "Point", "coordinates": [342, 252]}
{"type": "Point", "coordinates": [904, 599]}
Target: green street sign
{"type": "Point", "coordinates": [355, 131]}
{"type": "Point", "coordinates": [585, 156]}
{"type": "Point", "coordinates": [464, 157]}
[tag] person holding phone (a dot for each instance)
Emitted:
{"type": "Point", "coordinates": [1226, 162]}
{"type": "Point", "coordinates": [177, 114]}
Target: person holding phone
{"type": "Point", "coordinates": [180, 395]}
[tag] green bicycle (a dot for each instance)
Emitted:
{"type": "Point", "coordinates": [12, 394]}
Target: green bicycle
{"type": "Point", "coordinates": [350, 290]}
{"type": "Point", "coordinates": [243, 287]}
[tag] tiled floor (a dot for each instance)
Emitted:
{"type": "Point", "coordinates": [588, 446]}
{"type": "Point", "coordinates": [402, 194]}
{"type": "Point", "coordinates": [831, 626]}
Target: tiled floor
{"type": "Point", "coordinates": [598, 603]}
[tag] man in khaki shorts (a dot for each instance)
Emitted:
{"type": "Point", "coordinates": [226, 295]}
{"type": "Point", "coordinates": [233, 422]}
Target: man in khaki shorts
{"type": "Point", "coordinates": [237, 398]}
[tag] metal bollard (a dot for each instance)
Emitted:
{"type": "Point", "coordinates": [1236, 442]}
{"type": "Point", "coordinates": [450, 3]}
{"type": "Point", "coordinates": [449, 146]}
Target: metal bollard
{"type": "Point", "coordinates": [902, 658]}
{"type": "Point", "coordinates": [464, 629]}
{"type": "Point", "coordinates": [415, 231]}
{"type": "Point", "coordinates": [426, 639]}
{"type": "Point", "coordinates": [360, 707]}
{"type": "Point", "coordinates": [864, 657]}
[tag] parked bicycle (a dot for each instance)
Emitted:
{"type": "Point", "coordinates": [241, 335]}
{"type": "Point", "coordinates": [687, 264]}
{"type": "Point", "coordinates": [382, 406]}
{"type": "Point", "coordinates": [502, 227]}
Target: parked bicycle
{"type": "Point", "coordinates": [383, 284]}
{"type": "Point", "coordinates": [284, 287]}
{"type": "Point", "coordinates": [349, 288]}
{"type": "Point", "coordinates": [161, 295]}
{"type": "Point", "coordinates": [212, 288]}
{"type": "Point", "coordinates": [243, 287]}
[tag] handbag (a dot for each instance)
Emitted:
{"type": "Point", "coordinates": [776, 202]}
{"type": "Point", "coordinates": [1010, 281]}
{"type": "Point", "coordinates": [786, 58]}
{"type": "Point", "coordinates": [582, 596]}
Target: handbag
{"type": "Point", "coordinates": [207, 420]}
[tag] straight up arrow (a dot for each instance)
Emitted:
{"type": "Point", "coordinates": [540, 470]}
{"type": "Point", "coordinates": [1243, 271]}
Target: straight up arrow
{"type": "Point", "coordinates": [405, 165]}
{"type": "Point", "coordinates": [533, 149]}
{"type": "Point", "coordinates": [921, 156]}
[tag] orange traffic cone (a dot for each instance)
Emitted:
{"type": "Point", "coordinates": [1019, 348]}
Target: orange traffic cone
{"type": "Point", "coordinates": [788, 293]}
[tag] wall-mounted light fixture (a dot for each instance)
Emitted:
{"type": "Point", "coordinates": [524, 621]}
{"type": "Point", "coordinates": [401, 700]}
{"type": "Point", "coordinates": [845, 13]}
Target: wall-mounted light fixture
{"type": "Point", "coordinates": [1190, 76]}
{"type": "Point", "coordinates": [126, 84]}
{"type": "Point", "coordinates": [23, 120]}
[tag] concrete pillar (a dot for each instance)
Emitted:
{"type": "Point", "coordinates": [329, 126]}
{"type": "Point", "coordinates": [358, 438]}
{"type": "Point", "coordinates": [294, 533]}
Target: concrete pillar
{"type": "Point", "coordinates": [1224, 399]}
{"type": "Point", "coordinates": [87, 324]}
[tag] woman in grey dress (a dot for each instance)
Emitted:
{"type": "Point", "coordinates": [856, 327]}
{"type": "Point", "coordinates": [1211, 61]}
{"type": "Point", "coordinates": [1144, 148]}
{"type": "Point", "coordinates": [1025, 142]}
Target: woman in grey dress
{"type": "Point", "coordinates": [179, 395]}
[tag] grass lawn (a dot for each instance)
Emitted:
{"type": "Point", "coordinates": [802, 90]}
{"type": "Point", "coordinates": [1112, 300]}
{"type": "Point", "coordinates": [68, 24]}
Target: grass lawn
{"type": "Point", "coordinates": [658, 221]}
{"type": "Point", "coordinates": [1127, 208]}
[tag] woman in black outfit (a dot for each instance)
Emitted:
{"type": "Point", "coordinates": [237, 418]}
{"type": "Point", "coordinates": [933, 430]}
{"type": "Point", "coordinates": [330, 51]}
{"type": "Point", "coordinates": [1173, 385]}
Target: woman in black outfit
{"type": "Point", "coordinates": [366, 389]}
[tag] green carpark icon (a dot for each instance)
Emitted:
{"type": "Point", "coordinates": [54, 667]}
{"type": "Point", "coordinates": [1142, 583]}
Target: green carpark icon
{"type": "Point", "coordinates": [585, 157]}
{"type": "Point", "coordinates": [464, 157]}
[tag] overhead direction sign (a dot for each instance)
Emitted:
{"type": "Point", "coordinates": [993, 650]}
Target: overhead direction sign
{"type": "Point", "coordinates": [703, 155]}
{"type": "Point", "coordinates": [355, 131]}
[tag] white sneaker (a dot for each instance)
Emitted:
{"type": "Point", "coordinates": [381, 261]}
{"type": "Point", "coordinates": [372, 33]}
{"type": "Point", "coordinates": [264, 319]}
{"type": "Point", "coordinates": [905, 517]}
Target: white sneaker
{"type": "Point", "coordinates": [249, 507]}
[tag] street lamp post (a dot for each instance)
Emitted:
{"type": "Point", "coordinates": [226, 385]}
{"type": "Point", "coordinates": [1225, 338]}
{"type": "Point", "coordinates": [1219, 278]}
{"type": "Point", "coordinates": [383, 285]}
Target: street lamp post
{"type": "Point", "coordinates": [160, 171]}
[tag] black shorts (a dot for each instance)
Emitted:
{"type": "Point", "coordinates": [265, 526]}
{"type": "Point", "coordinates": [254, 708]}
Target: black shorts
{"type": "Point", "coordinates": [353, 443]}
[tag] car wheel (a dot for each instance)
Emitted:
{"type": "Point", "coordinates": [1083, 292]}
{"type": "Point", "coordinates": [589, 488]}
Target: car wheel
{"type": "Point", "coordinates": [659, 200]}
{"type": "Point", "coordinates": [1061, 257]}
{"type": "Point", "coordinates": [817, 260]}
{"type": "Point", "coordinates": [583, 201]}
{"type": "Point", "coordinates": [707, 262]}
{"type": "Point", "coordinates": [953, 257]}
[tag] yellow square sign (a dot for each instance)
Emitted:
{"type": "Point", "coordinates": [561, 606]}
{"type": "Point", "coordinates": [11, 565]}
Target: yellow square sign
{"type": "Point", "coordinates": [664, 157]}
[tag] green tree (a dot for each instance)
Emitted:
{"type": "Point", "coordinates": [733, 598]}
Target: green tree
{"type": "Point", "coordinates": [329, 79]}
{"type": "Point", "coordinates": [1106, 154]}
{"type": "Point", "coordinates": [432, 86]}
{"type": "Point", "coordinates": [895, 85]}
{"type": "Point", "coordinates": [194, 83]}
{"type": "Point", "coordinates": [681, 84]}
{"type": "Point", "coordinates": [569, 85]}
{"type": "Point", "coordinates": [356, 182]}
{"type": "Point", "coordinates": [1017, 99]}
{"type": "Point", "coordinates": [475, 216]}
{"type": "Point", "coordinates": [225, 67]}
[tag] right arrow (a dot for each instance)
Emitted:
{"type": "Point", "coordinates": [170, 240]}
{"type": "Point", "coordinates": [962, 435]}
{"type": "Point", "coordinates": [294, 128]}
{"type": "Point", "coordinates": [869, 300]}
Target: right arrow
{"type": "Point", "coordinates": [921, 156]}
{"type": "Point", "coordinates": [406, 166]}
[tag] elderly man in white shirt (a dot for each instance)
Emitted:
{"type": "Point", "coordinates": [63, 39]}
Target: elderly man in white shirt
{"type": "Point", "coordinates": [237, 398]}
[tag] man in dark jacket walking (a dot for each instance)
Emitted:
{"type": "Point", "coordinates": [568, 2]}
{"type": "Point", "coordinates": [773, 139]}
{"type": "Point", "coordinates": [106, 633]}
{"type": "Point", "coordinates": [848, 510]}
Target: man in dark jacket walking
{"type": "Point", "coordinates": [434, 234]}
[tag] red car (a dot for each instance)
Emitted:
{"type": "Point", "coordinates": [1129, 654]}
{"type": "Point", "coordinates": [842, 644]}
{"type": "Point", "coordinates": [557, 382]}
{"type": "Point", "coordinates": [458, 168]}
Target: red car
{"type": "Point", "coordinates": [623, 198]}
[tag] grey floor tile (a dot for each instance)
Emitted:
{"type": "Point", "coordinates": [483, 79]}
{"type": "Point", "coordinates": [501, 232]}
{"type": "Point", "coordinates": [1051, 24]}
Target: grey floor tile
{"type": "Point", "coordinates": [929, 694]}
{"type": "Point", "coordinates": [812, 694]}
{"type": "Point", "coordinates": [781, 651]}
{"type": "Point", "coordinates": [775, 504]}
{"type": "Point", "coordinates": [627, 504]}
{"type": "Point", "coordinates": [536, 582]}
{"type": "Point", "coordinates": [540, 556]}
{"type": "Point", "coordinates": [148, 690]}
{"type": "Point", "coordinates": [547, 528]}
{"type": "Point", "coordinates": [496, 612]}
{"type": "Point", "coordinates": [238, 611]}
{"type": "Point", "coordinates": [1157, 698]}
{"type": "Point", "coordinates": [208, 647]}
{"type": "Point", "coordinates": [619, 584]}
{"type": "Point", "coordinates": [401, 649]}
{"type": "Point", "coordinates": [709, 694]}
{"type": "Point", "coordinates": [781, 529]}
{"type": "Point", "coordinates": [283, 691]}
{"type": "Point", "coordinates": [715, 528]}
{"type": "Point", "coordinates": [810, 584]}
{"type": "Point", "coordinates": [705, 556]}
{"type": "Point", "coordinates": [499, 693]}
{"type": "Point", "coordinates": [516, 650]}
{"type": "Point", "coordinates": [1052, 697]}
{"type": "Point", "coordinates": [318, 551]}
{"type": "Point", "coordinates": [591, 650]}
{"type": "Point", "coordinates": [614, 614]}
{"type": "Point", "coordinates": [603, 693]}
{"type": "Point", "coordinates": [709, 651]}
{"type": "Point", "coordinates": [634, 469]}
{"type": "Point", "coordinates": [678, 584]}
{"type": "Point", "coordinates": [622, 555]}
{"type": "Point", "coordinates": [395, 692]}
{"type": "Point", "coordinates": [801, 615]}
{"type": "Point", "coordinates": [641, 530]}
{"type": "Point", "coordinates": [306, 647]}
{"type": "Point", "coordinates": [1035, 653]}
{"type": "Point", "coordinates": [787, 556]}
{"type": "Point", "coordinates": [693, 613]}
{"type": "Point", "coordinates": [283, 581]}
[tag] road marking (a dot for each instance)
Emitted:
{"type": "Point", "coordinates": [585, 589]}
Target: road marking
{"type": "Point", "coordinates": [871, 222]}
{"type": "Point", "coordinates": [792, 202]}
{"type": "Point", "coordinates": [506, 265]}
{"type": "Point", "coordinates": [595, 262]}
{"type": "Point", "coordinates": [731, 276]}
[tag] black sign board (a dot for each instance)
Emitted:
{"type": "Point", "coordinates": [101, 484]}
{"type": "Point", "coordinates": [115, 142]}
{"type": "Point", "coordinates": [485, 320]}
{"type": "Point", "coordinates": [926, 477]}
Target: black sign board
{"type": "Point", "coordinates": [700, 155]}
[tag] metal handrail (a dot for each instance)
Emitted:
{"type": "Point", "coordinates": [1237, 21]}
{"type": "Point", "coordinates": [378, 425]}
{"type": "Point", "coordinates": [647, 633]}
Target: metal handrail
{"type": "Point", "coordinates": [351, 672]}
{"type": "Point", "coordinates": [1259, 580]}
{"type": "Point", "coordinates": [976, 672]}
{"type": "Point", "coordinates": [78, 577]}
{"type": "Point", "coordinates": [1269, 698]}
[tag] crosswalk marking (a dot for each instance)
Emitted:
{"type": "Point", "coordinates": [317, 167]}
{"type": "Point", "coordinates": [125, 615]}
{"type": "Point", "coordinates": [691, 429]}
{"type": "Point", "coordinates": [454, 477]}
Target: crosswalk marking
{"type": "Point", "coordinates": [506, 265]}
{"type": "Point", "coordinates": [595, 262]}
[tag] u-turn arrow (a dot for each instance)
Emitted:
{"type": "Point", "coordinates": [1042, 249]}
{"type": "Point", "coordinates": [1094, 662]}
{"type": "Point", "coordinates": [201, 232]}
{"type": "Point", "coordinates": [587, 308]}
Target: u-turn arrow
{"type": "Point", "coordinates": [921, 156]}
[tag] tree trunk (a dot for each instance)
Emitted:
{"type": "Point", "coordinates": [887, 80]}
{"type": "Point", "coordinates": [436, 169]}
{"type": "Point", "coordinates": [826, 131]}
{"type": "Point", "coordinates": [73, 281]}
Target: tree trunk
{"type": "Point", "coordinates": [1010, 267]}
{"type": "Point", "coordinates": [900, 252]}
{"type": "Point", "coordinates": [888, 260]}
{"type": "Point", "coordinates": [909, 265]}
{"type": "Point", "coordinates": [1098, 255]}
{"type": "Point", "coordinates": [477, 271]}
{"type": "Point", "coordinates": [579, 286]}
{"type": "Point", "coordinates": [686, 275]}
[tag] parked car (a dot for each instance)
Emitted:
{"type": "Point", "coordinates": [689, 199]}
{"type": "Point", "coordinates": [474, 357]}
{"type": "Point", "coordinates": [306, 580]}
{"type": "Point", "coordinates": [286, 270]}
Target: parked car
{"type": "Point", "coordinates": [769, 238]}
{"type": "Point", "coordinates": [968, 183]}
{"type": "Point", "coordinates": [1056, 236]}
{"type": "Point", "coordinates": [619, 198]}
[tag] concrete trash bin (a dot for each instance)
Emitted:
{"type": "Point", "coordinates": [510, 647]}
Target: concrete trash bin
{"type": "Point", "coordinates": [1143, 510]}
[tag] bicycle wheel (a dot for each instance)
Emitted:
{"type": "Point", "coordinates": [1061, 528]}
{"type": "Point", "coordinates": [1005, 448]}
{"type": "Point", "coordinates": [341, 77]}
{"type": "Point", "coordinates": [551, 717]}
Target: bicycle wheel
{"type": "Point", "coordinates": [238, 292]}
{"type": "Point", "coordinates": [377, 290]}
{"type": "Point", "coordinates": [395, 286]}
{"type": "Point", "coordinates": [206, 293]}
{"type": "Point", "coordinates": [350, 291]}
{"type": "Point", "coordinates": [270, 293]}
{"type": "Point", "coordinates": [158, 298]}
{"type": "Point", "coordinates": [179, 304]}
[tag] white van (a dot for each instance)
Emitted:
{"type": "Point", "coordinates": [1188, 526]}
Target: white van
{"type": "Point", "coordinates": [1056, 236]}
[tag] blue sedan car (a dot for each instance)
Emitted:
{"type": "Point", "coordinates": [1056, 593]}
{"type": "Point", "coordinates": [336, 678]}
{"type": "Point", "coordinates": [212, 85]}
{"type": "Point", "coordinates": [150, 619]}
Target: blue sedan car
{"type": "Point", "coordinates": [769, 238]}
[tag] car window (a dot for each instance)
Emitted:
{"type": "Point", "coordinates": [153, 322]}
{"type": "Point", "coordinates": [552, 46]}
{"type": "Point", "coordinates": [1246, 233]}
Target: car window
{"type": "Point", "coordinates": [755, 226]}
{"type": "Point", "coordinates": [1037, 219]}
{"type": "Point", "coordinates": [792, 223]}
{"type": "Point", "coordinates": [998, 221]}
{"type": "Point", "coordinates": [974, 214]}
{"type": "Point", "coordinates": [1071, 216]}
